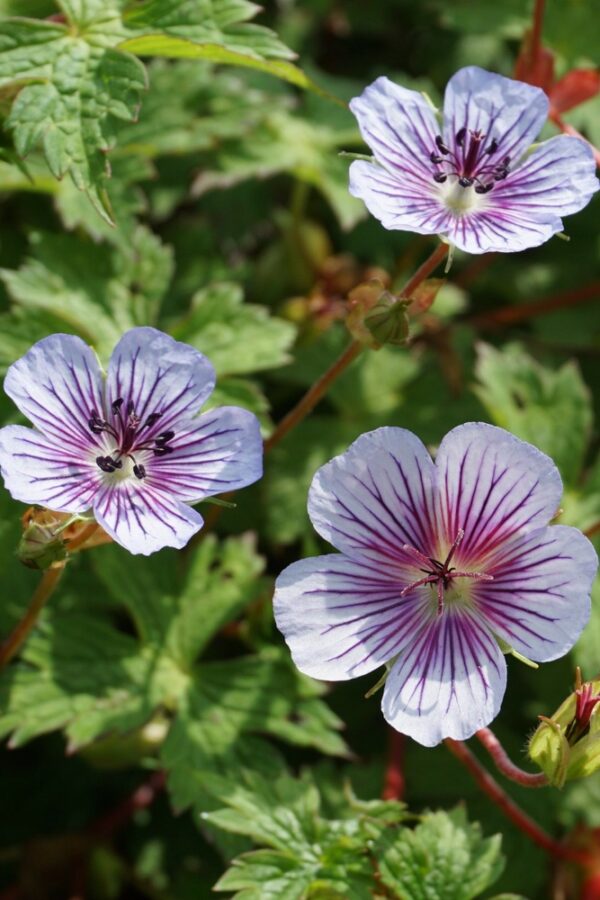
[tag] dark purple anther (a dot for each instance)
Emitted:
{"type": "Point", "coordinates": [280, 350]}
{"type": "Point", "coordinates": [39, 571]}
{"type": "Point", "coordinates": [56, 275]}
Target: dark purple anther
{"type": "Point", "coordinates": [441, 145]}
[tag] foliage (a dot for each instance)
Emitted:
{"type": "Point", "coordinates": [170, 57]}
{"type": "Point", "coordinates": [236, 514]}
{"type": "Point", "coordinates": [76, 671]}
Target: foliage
{"type": "Point", "coordinates": [174, 163]}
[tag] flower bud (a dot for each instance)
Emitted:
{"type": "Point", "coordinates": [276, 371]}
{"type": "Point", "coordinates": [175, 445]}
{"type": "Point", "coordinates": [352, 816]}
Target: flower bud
{"type": "Point", "coordinates": [387, 321]}
{"type": "Point", "coordinates": [566, 746]}
{"type": "Point", "coordinates": [41, 543]}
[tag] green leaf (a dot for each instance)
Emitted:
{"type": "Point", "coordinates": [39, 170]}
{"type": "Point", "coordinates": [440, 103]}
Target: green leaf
{"type": "Point", "coordinates": [294, 144]}
{"type": "Point", "coordinates": [308, 855]}
{"type": "Point", "coordinates": [179, 613]}
{"type": "Point", "coordinates": [72, 86]}
{"type": "Point", "coordinates": [95, 291]}
{"type": "Point", "coordinates": [444, 858]}
{"type": "Point", "coordinates": [528, 399]}
{"type": "Point", "coordinates": [172, 47]}
{"type": "Point", "coordinates": [237, 337]}
{"type": "Point", "coordinates": [221, 22]}
{"type": "Point", "coordinates": [262, 694]}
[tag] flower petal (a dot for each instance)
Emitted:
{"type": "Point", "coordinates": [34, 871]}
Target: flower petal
{"type": "Point", "coordinates": [156, 373]}
{"type": "Point", "coordinates": [499, 107]}
{"type": "Point", "coordinates": [493, 486]}
{"type": "Point", "coordinates": [144, 520]}
{"type": "Point", "coordinates": [448, 682]}
{"type": "Point", "coordinates": [539, 600]}
{"type": "Point", "coordinates": [558, 178]}
{"type": "Point", "coordinates": [342, 618]}
{"type": "Point", "coordinates": [377, 496]}
{"type": "Point", "coordinates": [500, 230]}
{"type": "Point", "coordinates": [56, 385]}
{"type": "Point", "coordinates": [400, 128]}
{"type": "Point", "coordinates": [399, 201]}
{"type": "Point", "coordinates": [39, 469]}
{"type": "Point", "coordinates": [220, 451]}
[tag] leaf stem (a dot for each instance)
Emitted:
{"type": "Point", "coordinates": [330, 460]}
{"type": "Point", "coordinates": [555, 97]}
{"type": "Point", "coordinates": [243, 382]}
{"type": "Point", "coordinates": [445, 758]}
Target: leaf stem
{"type": "Point", "coordinates": [46, 587]}
{"type": "Point", "coordinates": [321, 386]}
{"type": "Point", "coordinates": [511, 810]}
{"type": "Point", "coordinates": [504, 764]}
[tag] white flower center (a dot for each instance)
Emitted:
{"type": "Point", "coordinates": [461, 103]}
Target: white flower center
{"type": "Point", "coordinates": [461, 200]}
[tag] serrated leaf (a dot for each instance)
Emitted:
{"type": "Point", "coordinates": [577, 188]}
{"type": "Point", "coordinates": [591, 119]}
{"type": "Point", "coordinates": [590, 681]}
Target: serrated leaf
{"type": "Point", "coordinates": [309, 856]}
{"type": "Point", "coordinates": [529, 400]}
{"type": "Point", "coordinates": [95, 291]}
{"type": "Point", "coordinates": [237, 337]}
{"type": "Point", "coordinates": [182, 612]}
{"type": "Point", "coordinates": [262, 694]}
{"type": "Point", "coordinates": [284, 142]}
{"type": "Point", "coordinates": [218, 22]}
{"type": "Point", "coordinates": [444, 858]}
{"type": "Point", "coordinates": [72, 86]}
{"type": "Point", "coordinates": [172, 47]}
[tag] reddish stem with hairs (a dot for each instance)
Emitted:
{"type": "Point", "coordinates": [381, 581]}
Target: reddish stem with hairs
{"type": "Point", "coordinates": [504, 764]}
{"type": "Point", "coordinates": [511, 810]}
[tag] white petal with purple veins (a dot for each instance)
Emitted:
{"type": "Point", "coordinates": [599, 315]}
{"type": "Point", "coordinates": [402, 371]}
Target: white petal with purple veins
{"type": "Point", "coordinates": [144, 520]}
{"type": "Point", "coordinates": [559, 177]}
{"type": "Point", "coordinates": [56, 385]}
{"type": "Point", "coordinates": [399, 126]}
{"type": "Point", "coordinates": [39, 469]}
{"type": "Point", "coordinates": [342, 618]}
{"type": "Point", "coordinates": [495, 229]}
{"type": "Point", "coordinates": [510, 111]}
{"type": "Point", "coordinates": [539, 600]}
{"type": "Point", "coordinates": [448, 682]}
{"type": "Point", "coordinates": [220, 451]}
{"type": "Point", "coordinates": [492, 485]}
{"type": "Point", "coordinates": [157, 374]}
{"type": "Point", "coordinates": [377, 496]}
{"type": "Point", "coordinates": [399, 201]}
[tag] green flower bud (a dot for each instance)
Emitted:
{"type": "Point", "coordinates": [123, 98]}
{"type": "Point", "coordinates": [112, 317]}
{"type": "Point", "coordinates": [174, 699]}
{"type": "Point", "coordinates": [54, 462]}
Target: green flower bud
{"type": "Point", "coordinates": [566, 746]}
{"type": "Point", "coordinates": [41, 543]}
{"type": "Point", "coordinates": [388, 321]}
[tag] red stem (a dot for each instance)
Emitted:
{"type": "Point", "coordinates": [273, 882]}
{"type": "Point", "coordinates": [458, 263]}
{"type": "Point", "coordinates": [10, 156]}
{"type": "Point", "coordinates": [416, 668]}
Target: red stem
{"type": "Point", "coordinates": [536, 31]}
{"type": "Point", "coordinates": [509, 315]}
{"type": "Point", "coordinates": [395, 783]}
{"type": "Point", "coordinates": [143, 797]}
{"type": "Point", "coordinates": [511, 810]}
{"type": "Point", "coordinates": [504, 764]}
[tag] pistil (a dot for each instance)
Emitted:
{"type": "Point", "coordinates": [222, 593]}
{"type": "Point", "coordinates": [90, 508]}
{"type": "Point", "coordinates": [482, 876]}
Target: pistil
{"type": "Point", "coordinates": [440, 574]}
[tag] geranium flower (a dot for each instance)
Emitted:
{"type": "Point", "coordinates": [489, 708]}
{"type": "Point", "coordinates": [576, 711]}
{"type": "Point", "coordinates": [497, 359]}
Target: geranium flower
{"type": "Point", "coordinates": [470, 179]}
{"type": "Point", "coordinates": [129, 448]}
{"type": "Point", "coordinates": [437, 563]}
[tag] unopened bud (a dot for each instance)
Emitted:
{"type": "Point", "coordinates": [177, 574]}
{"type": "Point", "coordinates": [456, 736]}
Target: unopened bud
{"type": "Point", "coordinates": [566, 746]}
{"type": "Point", "coordinates": [41, 543]}
{"type": "Point", "coordinates": [388, 321]}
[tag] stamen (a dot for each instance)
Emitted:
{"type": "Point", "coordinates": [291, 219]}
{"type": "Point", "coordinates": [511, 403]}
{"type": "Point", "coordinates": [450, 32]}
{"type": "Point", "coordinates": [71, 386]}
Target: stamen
{"type": "Point", "coordinates": [139, 471]}
{"type": "Point", "coordinates": [440, 177]}
{"type": "Point", "coordinates": [441, 145]}
{"type": "Point", "coordinates": [460, 136]}
{"type": "Point", "coordinates": [116, 405]}
{"type": "Point", "coordinates": [152, 419]}
{"type": "Point", "coordinates": [492, 146]}
{"type": "Point", "coordinates": [108, 464]}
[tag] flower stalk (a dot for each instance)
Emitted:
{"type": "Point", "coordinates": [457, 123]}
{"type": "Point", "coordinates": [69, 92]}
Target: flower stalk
{"type": "Point", "coordinates": [504, 764]}
{"type": "Point", "coordinates": [318, 390]}
{"type": "Point", "coordinates": [46, 587]}
{"type": "Point", "coordinates": [511, 810]}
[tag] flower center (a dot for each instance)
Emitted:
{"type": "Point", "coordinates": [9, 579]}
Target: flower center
{"type": "Point", "coordinates": [126, 431]}
{"type": "Point", "coordinates": [472, 161]}
{"type": "Point", "coordinates": [440, 575]}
